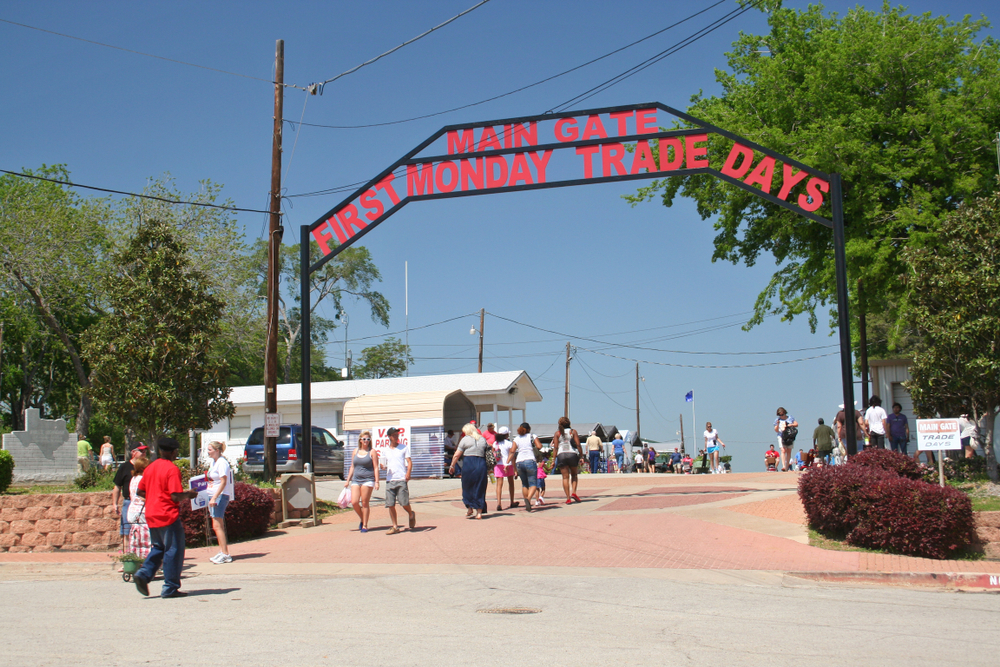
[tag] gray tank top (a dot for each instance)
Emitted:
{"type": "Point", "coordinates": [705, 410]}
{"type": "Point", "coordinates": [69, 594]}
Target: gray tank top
{"type": "Point", "coordinates": [364, 470]}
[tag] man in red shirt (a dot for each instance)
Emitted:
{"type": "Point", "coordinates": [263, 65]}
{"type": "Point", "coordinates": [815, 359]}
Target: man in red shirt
{"type": "Point", "coordinates": [161, 487]}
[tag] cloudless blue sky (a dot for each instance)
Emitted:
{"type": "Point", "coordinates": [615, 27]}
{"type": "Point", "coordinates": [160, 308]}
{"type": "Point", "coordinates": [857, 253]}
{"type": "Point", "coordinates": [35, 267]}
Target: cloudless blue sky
{"type": "Point", "coordinates": [578, 261]}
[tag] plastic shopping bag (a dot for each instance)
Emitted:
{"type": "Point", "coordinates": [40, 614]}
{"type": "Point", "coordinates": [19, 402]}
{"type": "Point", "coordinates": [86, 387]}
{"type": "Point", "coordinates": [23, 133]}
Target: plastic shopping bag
{"type": "Point", "coordinates": [344, 499]}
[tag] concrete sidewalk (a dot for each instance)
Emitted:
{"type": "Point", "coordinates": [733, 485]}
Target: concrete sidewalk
{"type": "Point", "coordinates": [635, 523]}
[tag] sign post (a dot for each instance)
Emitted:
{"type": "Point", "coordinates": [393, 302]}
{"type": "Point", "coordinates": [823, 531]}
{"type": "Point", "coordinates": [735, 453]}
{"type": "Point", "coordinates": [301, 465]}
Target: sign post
{"type": "Point", "coordinates": [938, 435]}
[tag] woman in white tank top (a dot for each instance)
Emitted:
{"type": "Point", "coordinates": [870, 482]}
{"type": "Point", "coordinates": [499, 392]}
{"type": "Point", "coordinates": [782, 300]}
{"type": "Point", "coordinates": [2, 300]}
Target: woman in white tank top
{"type": "Point", "coordinates": [568, 454]}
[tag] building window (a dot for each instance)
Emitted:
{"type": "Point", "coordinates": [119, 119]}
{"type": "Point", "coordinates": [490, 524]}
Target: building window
{"type": "Point", "coordinates": [340, 422]}
{"type": "Point", "coordinates": [239, 427]}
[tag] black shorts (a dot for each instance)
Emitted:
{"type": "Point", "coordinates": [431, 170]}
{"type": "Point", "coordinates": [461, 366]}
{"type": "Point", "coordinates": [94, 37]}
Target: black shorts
{"type": "Point", "coordinates": [571, 459]}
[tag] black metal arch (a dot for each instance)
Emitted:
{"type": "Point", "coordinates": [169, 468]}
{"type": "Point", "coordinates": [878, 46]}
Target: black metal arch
{"type": "Point", "coordinates": [700, 127]}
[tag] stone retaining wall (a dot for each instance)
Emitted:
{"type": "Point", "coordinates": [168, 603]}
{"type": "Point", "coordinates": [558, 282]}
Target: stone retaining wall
{"type": "Point", "coordinates": [58, 522]}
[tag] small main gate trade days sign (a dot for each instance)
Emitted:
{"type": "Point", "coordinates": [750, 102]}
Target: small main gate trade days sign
{"type": "Point", "coordinates": [559, 150]}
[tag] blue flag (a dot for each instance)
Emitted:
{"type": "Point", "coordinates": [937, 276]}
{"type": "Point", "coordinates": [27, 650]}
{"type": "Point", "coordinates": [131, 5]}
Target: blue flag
{"type": "Point", "coordinates": [689, 397]}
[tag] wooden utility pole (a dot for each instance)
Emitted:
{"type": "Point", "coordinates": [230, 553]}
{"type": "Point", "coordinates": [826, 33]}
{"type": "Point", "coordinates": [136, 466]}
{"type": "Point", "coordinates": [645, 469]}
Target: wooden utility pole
{"type": "Point", "coordinates": [682, 432]}
{"type": "Point", "coordinates": [566, 403]}
{"type": "Point", "coordinates": [637, 403]}
{"type": "Point", "coordinates": [273, 262]}
{"type": "Point", "coordinates": [482, 321]}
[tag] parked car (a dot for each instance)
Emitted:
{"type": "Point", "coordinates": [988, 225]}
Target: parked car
{"type": "Point", "coordinates": [327, 451]}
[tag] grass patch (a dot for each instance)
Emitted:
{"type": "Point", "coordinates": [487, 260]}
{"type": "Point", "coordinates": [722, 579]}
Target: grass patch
{"type": "Point", "coordinates": [817, 539]}
{"type": "Point", "coordinates": [987, 504]}
{"type": "Point", "coordinates": [325, 508]}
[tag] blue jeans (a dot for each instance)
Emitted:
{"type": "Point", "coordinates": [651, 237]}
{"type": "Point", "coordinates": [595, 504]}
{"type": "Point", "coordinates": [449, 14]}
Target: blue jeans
{"type": "Point", "coordinates": [125, 528]}
{"type": "Point", "coordinates": [621, 459]}
{"type": "Point", "coordinates": [899, 445]}
{"type": "Point", "coordinates": [168, 550]}
{"type": "Point", "coordinates": [595, 461]}
{"type": "Point", "coordinates": [528, 472]}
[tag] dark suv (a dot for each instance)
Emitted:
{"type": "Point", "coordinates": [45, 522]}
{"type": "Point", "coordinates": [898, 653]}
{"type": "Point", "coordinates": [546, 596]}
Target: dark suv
{"type": "Point", "coordinates": [327, 451]}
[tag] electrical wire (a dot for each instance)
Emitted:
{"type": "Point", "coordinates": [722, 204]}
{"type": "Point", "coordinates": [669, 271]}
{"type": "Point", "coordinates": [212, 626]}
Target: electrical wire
{"type": "Point", "coordinates": [660, 363]}
{"type": "Point", "coordinates": [608, 396]}
{"type": "Point", "coordinates": [133, 194]}
{"type": "Point", "coordinates": [410, 41]}
{"type": "Point", "coordinates": [654, 349]}
{"type": "Point", "coordinates": [142, 53]}
{"type": "Point", "coordinates": [393, 333]}
{"type": "Point", "coordinates": [687, 41]}
{"type": "Point", "coordinates": [653, 404]}
{"type": "Point", "coordinates": [522, 88]}
{"type": "Point", "coordinates": [295, 143]}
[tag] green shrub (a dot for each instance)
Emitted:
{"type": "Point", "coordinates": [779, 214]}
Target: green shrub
{"type": "Point", "coordinates": [95, 479]}
{"type": "Point", "coordinates": [6, 469]}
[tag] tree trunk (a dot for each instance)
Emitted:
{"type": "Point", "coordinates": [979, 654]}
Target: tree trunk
{"type": "Point", "coordinates": [987, 442]}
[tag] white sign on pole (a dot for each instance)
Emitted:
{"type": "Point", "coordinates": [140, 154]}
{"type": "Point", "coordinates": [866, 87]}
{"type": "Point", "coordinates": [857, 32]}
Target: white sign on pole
{"type": "Point", "coordinates": [272, 424]}
{"type": "Point", "coordinates": [938, 434]}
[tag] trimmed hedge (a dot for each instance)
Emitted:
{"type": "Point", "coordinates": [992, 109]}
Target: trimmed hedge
{"type": "Point", "coordinates": [247, 515]}
{"type": "Point", "coordinates": [6, 469]}
{"type": "Point", "coordinates": [875, 508]}
{"type": "Point", "coordinates": [886, 459]}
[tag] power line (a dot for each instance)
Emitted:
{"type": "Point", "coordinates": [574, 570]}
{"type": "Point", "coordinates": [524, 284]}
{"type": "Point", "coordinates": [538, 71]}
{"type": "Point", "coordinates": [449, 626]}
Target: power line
{"type": "Point", "coordinates": [393, 333]}
{"type": "Point", "coordinates": [660, 363]}
{"type": "Point", "coordinates": [142, 53]}
{"type": "Point", "coordinates": [687, 41]}
{"type": "Point", "coordinates": [516, 90]}
{"type": "Point", "coordinates": [653, 349]}
{"type": "Point", "coordinates": [133, 194]}
{"type": "Point", "coordinates": [584, 368]}
{"type": "Point", "coordinates": [410, 41]}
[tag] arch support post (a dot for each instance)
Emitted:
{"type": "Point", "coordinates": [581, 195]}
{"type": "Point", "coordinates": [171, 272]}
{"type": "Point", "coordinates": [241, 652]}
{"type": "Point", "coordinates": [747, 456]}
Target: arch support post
{"type": "Point", "coordinates": [843, 313]}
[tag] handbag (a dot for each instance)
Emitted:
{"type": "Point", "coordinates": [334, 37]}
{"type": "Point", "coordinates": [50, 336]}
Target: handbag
{"type": "Point", "coordinates": [490, 456]}
{"type": "Point", "coordinates": [344, 499]}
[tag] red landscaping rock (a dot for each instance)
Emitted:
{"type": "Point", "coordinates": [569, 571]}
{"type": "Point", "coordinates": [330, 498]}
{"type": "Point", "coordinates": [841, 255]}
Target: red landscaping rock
{"type": "Point", "coordinates": [9, 540]}
{"type": "Point", "coordinates": [56, 539]}
{"type": "Point", "coordinates": [59, 512]}
{"type": "Point", "coordinates": [48, 526]}
{"type": "Point", "coordinates": [22, 527]}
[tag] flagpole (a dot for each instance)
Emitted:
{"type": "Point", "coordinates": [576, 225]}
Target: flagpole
{"type": "Point", "coordinates": [694, 419]}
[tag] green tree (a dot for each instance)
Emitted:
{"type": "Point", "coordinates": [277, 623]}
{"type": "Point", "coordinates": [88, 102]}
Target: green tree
{"type": "Point", "coordinates": [904, 107]}
{"type": "Point", "coordinates": [152, 357]}
{"type": "Point", "coordinates": [388, 359]}
{"type": "Point", "coordinates": [53, 251]}
{"type": "Point", "coordinates": [350, 276]}
{"type": "Point", "coordinates": [955, 283]}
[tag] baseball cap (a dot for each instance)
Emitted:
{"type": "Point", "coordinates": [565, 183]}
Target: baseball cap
{"type": "Point", "coordinates": [167, 443]}
{"type": "Point", "coordinates": [503, 430]}
{"type": "Point", "coordinates": [392, 431]}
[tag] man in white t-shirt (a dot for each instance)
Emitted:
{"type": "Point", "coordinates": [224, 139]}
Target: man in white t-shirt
{"type": "Point", "coordinates": [875, 423]}
{"type": "Point", "coordinates": [398, 466]}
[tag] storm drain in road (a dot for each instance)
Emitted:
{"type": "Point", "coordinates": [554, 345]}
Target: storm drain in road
{"type": "Point", "coordinates": [509, 610]}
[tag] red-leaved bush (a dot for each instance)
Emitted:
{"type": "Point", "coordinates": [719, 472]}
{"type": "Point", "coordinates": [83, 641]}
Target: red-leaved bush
{"type": "Point", "coordinates": [247, 515]}
{"type": "Point", "coordinates": [878, 509]}
{"type": "Point", "coordinates": [886, 459]}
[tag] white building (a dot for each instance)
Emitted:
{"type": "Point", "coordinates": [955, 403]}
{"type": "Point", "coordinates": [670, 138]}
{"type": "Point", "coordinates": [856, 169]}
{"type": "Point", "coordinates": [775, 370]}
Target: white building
{"type": "Point", "coordinates": [496, 397]}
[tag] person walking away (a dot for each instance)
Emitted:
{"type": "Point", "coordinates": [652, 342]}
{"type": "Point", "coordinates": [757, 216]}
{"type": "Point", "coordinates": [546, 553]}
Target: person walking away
{"type": "Point", "coordinates": [220, 489]}
{"type": "Point", "coordinates": [472, 450]}
{"type": "Point", "coordinates": [642, 459]}
{"type": "Point", "coordinates": [504, 469]}
{"type": "Point", "coordinates": [363, 478]}
{"type": "Point", "coordinates": [651, 459]}
{"type": "Point", "coordinates": [594, 446]}
{"type": "Point", "coordinates": [823, 439]}
{"type": "Point", "coordinates": [123, 492]}
{"type": "Point", "coordinates": [875, 423]}
{"type": "Point", "coordinates": [568, 455]}
{"type": "Point", "coordinates": [398, 468]}
{"type": "Point", "coordinates": [107, 453]}
{"type": "Point", "coordinates": [162, 489]}
{"type": "Point", "coordinates": [522, 455]}
{"type": "Point", "coordinates": [138, 538]}
{"type": "Point", "coordinates": [619, 449]}
{"type": "Point", "coordinates": [899, 429]}
{"type": "Point", "coordinates": [675, 460]}
{"type": "Point", "coordinates": [83, 452]}
{"type": "Point", "coordinates": [785, 440]}
{"type": "Point", "coordinates": [712, 444]}
{"type": "Point", "coordinates": [968, 432]}
{"type": "Point", "coordinates": [859, 431]}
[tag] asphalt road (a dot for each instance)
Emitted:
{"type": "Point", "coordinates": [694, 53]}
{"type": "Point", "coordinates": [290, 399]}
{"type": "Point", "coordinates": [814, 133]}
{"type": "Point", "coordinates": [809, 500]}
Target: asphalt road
{"type": "Point", "coordinates": [88, 616]}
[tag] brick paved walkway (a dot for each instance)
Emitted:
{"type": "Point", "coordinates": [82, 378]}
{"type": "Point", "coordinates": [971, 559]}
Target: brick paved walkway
{"type": "Point", "coordinates": [730, 522]}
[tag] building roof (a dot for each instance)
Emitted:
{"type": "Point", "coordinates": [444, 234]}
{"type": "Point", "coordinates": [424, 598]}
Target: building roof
{"type": "Point", "coordinates": [473, 384]}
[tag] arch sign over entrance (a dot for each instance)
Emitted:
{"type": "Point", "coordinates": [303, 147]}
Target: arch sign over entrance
{"type": "Point", "coordinates": [576, 148]}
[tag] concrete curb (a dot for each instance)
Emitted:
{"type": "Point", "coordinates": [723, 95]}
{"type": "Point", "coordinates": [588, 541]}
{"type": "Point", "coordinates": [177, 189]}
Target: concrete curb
{"type": "Point", "coordinates": [941, 580]}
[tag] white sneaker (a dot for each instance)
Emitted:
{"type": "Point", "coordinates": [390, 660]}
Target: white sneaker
{"type": "Point", "coordinates": [224, 558]}
{"type": "Point", "coordinates": [217, 558]}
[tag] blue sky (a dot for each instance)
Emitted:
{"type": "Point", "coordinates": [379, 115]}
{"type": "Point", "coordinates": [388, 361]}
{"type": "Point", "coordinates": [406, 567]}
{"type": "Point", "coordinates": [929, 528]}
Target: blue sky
{"type": "Point", "coordinates": [576, 261]}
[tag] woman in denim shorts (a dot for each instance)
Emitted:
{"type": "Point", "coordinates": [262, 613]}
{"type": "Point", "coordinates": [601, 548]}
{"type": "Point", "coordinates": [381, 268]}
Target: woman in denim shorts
{"type": "Point", "coordinates": [220, 487]}
{"type": "Point", "coordinates": [522, 454]}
